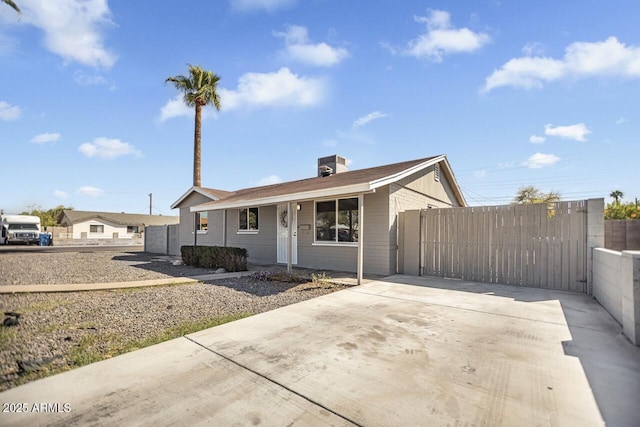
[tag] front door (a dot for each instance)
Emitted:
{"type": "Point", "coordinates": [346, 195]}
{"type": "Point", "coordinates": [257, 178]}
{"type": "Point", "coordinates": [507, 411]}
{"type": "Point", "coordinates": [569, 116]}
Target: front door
{"type": "Point", "coordinates": [283, 234]}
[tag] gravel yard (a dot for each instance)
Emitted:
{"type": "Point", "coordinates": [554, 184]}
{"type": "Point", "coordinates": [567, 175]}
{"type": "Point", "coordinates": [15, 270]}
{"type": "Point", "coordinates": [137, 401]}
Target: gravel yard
{"type": "Point", "coordinates": [60, 331]}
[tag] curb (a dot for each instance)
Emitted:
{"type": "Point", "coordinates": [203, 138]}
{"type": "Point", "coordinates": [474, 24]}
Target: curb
{"type": "Point", "coordinates": [13, 289]}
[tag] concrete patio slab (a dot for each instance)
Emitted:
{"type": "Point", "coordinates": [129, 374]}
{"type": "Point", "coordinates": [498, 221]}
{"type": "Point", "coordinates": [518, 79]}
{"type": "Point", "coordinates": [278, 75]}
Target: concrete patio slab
{"type": "Point", "coordinates": [398, 351]}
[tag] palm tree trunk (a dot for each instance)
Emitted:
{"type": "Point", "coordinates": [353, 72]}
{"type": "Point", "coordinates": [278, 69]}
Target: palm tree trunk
{"type": "Point", "coordinates": [197, 144]}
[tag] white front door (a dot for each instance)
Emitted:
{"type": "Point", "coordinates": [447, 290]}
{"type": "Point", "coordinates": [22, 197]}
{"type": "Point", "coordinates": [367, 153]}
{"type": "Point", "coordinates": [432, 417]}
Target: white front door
{"type": "Point", "coordinates": [283, 234]}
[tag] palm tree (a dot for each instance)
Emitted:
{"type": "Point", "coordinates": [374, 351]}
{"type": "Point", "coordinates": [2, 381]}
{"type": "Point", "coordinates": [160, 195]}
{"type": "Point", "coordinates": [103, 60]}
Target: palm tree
{"type": "Point", "coordinates": [617, 195]}
{"type": "Point", "coordinates": [200, 89]}
{"type": "Point", "coordinates": [13, 5]}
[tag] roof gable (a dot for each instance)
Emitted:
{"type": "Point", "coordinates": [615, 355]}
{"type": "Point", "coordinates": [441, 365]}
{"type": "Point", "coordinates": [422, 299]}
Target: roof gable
{"type": "Point", "coordinates": [211, 193]}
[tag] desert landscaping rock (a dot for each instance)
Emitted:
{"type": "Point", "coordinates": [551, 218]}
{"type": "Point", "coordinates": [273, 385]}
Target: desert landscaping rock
{"type": "Point", "coordinates": [55, 327]}
{"type": "Point", "coordinates": [89, 267]}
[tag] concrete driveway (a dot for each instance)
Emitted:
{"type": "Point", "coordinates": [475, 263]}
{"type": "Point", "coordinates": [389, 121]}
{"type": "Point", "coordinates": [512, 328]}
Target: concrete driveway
{"type": "Point", "coordinates": [396, 352]}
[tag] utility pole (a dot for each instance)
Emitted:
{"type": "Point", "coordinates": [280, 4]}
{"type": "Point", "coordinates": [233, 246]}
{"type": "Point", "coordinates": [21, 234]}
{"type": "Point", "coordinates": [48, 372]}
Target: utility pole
{"type": "Point", "coordinates": [150, 203]}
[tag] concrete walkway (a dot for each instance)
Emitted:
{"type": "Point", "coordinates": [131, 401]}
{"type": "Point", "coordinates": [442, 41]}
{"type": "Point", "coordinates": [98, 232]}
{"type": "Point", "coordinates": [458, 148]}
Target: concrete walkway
{"type": "Point", "coordinates": [398, 351]}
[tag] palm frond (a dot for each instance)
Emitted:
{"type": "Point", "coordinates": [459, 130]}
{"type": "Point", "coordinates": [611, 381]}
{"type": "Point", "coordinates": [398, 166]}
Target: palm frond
{"type": "Point", "coordinates": [13, 5]}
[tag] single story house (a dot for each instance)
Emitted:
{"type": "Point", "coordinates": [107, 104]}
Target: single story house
{"type": "Point", "coordinates": [108, 225]}
{"type": "Point", "coordinates": [339, 220]}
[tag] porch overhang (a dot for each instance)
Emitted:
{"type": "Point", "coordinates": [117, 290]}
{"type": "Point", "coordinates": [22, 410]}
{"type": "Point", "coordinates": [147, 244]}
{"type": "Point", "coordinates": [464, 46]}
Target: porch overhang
{"type": "Point", "coordinates": [356, 189]}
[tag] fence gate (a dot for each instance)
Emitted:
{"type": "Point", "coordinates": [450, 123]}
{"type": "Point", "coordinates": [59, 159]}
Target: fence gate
{"type": "Point", "coordinates": [540, 245]}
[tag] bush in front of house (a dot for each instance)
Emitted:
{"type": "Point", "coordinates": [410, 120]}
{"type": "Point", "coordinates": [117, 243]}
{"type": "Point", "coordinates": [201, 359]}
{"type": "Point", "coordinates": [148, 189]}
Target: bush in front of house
{"type": "Point", "coordinates": [231, 259]}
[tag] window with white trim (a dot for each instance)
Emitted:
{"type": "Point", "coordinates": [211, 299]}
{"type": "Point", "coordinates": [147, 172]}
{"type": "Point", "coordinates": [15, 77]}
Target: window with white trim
{"type": "Point", "coordinates": [202, 221]}
{"type": "Point", "coordinates": [248, 219]}
{"type": "Point", "coordinates": [337, 220]}
{"type": "Point", "coordinates": [132, 229]}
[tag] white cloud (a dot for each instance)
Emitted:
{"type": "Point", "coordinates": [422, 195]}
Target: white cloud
{"type": "Point", "coordinates": [480, 173]}
{"type": "Point", "coordinates": [267, 5]}
{"type": "Point", "coordinates": [269, 180]}
{"type": "Point", "coordinates": [577, 132]}
{"type": "Point", "coordinates": [581, 60]}
{"type": "Point", "coordinates": [540, 160]}
{"type": "Point", "coordinates": [73, 29]}
{"type": "Point", "coordinates": [106, 148]}
{"type": "Point", "coordinates": [299, 49]}
{"type": "Point", "coordinates": [43, 138]}
{"type": "Point", "coordinates": [279, 89]}
{"type": "Point", "coordinates": [621, 120]}
{"type": "Point", "coordinates": [368, 118]}
{"type": "Point", "coordinates": [9, 112]}
{"type": "Point", "coordinates": [59, 194]}
{"type": "Point", "coordinates": [87, 190]}
{"type": "Point", "coordinates": [533, 48]}
{"type": "Point", "coordinates": [442, 39]}
{"type": "Point", "coordinates": [535, 139]}
{"type": "Point", "coordinates": [175, 108]}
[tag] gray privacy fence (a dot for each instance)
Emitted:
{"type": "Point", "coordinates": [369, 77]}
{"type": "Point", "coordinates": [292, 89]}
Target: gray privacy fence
{"type": "Point", "coordinates": [162, 239]}
{"type": "Point", "coordinates": [540, 245]}
{"type": "Point", "coordinates": [621, 234]}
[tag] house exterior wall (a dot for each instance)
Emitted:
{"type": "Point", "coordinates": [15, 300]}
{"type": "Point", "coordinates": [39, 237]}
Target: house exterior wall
{"type": "Point", "coordinates": [82, 230]}
{"type": "Point", "coordinates": [261, 245]}
{"type": "Point", "coordinates": [341, 257]}
{"type": "Point", "coordinates": [185, 231]}
{"type": "Point", "coordinates": [421, 189]}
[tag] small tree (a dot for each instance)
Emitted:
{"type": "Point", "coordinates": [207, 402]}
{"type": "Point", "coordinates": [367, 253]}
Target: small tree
{"type": "Point", "coordinates": [618, 210]}
{"type": "Point", "coordinates": [617, 195]}
{"type": "Point", "coordinates": [531, 194]}
{"type": "Point", "coordinates": [47, 217]}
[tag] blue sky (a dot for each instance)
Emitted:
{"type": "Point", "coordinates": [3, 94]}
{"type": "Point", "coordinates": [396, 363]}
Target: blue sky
{"type": "Point", "coordinates": [515, 93]}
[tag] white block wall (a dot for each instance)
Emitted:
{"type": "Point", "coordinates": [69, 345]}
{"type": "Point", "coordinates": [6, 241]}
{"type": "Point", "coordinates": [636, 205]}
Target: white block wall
{"type": "Point", "coordinates": [616, 285]}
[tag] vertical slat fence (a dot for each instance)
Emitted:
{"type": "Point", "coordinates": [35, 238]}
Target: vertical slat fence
{"type": "Point", "coordinates": [541, 245]}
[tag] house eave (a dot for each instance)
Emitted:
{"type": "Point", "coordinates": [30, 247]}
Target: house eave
{"type": "Point", "coordinates": [292, 197]}
{"type": "Point", "coordinates": [191, 190]}
{"type": "Point", "coordinates": [405, 173]}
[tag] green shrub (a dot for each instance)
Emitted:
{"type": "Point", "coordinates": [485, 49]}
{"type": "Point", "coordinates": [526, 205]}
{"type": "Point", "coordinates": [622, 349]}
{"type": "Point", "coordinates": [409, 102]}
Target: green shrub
{"type": "Point", "coordinates": [622, 211]}
{"type": "Point", "coordinates": [231, 259]}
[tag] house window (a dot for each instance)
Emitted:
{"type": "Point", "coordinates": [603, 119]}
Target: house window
{"type": "Point", "coordinates": [202, 221]}
{"type": "Point", "coordinates": [132, 229]}
{"type": "Point", "coordinates": [337, 220]}
{"type": "Point", "coordinates": [94, 228]}
{"type": "Point", "coordinates": [436, 173]}
{"type": "Point", "coordinates": [248, 219]}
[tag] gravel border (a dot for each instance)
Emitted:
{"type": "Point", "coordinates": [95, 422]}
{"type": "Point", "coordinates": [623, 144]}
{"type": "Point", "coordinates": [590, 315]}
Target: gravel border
{"type": "Point", "coordinates": [55, 268]}
{"type": "Point", "coordinates": [60, 331]}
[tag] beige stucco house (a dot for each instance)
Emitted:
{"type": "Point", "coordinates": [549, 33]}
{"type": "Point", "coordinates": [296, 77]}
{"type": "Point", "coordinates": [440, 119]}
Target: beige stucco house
{"type": "Point", "coordinates": [82, 225]}
{"type": "Point", "coordinates": [339, 220]}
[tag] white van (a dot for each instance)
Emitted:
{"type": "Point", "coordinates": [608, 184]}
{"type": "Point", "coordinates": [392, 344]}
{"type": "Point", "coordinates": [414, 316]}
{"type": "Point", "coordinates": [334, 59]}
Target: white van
{"type": "Point", "coordinates": [20, 228]}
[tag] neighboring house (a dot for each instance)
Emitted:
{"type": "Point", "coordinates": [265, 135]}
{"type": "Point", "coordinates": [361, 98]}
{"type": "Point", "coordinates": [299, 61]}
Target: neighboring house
{"type": "Point", "coordinates": [341, 220]}
{"type": "Point", "coordinates": [108, 225]}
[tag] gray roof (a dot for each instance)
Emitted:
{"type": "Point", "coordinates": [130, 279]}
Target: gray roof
{"type": "Point", "coordinates": [339, 183]}
{"type": "Point", "coordinates": [71, 217]}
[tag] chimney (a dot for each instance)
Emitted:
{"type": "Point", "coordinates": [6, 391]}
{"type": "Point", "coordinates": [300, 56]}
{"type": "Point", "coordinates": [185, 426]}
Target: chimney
{"type": "Point", "coordinates": [331, 164]}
